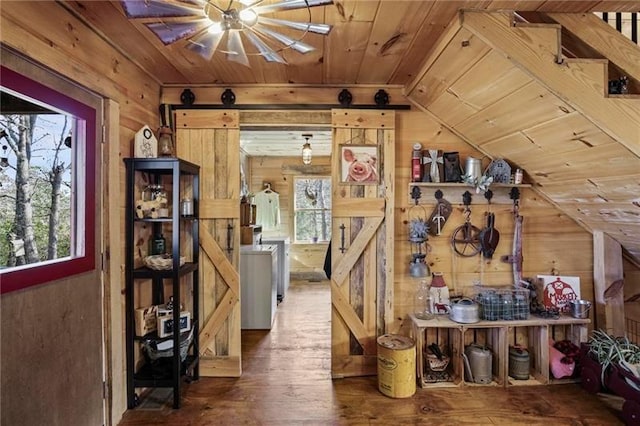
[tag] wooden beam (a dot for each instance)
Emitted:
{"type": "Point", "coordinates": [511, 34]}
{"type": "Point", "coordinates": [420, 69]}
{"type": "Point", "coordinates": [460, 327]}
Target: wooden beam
{"type": "Point", "coordinates": [344, 118]}
{"type": "Point", "coordinates": [220, 366]}
{"type": "Point", "coordinates": [220, 209]}
{"type": "Point", "coordinates": [345, 264]}
{"type": "Point", "coordinates": [607, 270]}
{"type": "Point", "coordinates": [116, 400]}
{"type": "Point", "coordinates": [207, 119]}
{"type": "Point", "coordinates": [341, 304]}
{"type": "Point", "coordinates": [282, 94]}
{"type": "Point", "coordinates": [354, 207]}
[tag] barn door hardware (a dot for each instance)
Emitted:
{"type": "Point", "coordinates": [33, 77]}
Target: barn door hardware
{"type": "Point", "coordinates": [466, 237]}
{"type": "Point", "coordinates": [342, 247]}
{"type": "Point", "coordinates": [229, 237]}
{"type": "Point", "coordinates": [187, 97]}
{"type": "Point", "coordinates": [228, 98]}
{"type": "Point", "coordinates": [345, 98]}
{"type": "Point", "coordinates": [381, 98]}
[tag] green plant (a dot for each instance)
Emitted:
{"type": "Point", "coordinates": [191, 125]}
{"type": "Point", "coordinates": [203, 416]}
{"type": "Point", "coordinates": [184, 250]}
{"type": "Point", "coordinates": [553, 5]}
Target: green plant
{"type": "Point", "coordinates": [609, 351]}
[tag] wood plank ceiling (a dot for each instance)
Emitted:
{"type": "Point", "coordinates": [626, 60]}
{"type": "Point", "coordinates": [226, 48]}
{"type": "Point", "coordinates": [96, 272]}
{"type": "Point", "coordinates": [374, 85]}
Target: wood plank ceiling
{"type": "Point", "coordinates": [477, 87]}
{"type": "Point", "coordinates": [372, 41]}
{"type": "Point", "coordinates": [575, 160]}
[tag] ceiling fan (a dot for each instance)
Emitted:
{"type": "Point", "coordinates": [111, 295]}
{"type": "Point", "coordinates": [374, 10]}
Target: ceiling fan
{"type": "Point", "coordinates": [205, 23]}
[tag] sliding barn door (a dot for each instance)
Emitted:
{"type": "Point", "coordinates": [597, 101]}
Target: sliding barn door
{"type": "Point", "coordinates": [211, 139]}
{"type": "Point", "coordinates": [362, 237]}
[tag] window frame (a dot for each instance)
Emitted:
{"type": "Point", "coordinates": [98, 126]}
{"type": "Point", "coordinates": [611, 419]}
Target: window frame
{"type": "Point", "coordinates": [84, 226]}
{"type": "Point", "coordinates": [295, 210]}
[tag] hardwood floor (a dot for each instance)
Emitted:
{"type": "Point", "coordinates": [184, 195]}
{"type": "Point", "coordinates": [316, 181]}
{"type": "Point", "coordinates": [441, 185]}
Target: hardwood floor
{"type": "Point", "coordinates": [287, 381]}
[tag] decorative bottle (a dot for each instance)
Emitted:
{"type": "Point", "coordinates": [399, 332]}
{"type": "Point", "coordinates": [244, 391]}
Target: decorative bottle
{"type": "Point", "coordinates": [158, 245]}
{"type": "Point", "coordinates": [423, 303]}
{"type": "Point", "coordinates": [416, 160]}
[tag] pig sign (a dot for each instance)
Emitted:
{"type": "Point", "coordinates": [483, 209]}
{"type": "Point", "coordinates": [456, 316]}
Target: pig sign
{"type": "Point", "coordinates": [359, 164]}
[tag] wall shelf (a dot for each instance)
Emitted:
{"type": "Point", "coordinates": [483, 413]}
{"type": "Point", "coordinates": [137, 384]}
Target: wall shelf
{"type": "Point", "coordinates": [452, 192]}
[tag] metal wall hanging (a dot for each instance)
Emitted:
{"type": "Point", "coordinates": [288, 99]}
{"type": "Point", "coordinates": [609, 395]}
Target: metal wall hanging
{"type": "Point", "coordinates": [466, 237]}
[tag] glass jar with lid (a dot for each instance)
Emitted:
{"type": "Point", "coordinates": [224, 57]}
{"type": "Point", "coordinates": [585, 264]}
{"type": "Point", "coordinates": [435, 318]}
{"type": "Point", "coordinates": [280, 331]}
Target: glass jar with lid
{"type": "Point", "coordinates": [157, 201]}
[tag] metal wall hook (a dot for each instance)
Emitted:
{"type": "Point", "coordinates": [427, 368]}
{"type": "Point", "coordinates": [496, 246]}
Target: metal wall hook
{"type": "Point", "coordinates": [416, 194]}
{"type": "Point", "coordinates": [488, 194]}
{"type": "Point", "coordinates": [466, 198]}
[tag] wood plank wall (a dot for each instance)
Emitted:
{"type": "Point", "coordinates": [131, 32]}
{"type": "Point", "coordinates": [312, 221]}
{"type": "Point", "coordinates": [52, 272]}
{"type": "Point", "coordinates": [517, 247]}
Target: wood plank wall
{"type": "Point", "coordinates": [71, 49]}
{"type": "Point", "coordinates": [307, 259]}
{"type": "Point", "coordinates": [553, 243]}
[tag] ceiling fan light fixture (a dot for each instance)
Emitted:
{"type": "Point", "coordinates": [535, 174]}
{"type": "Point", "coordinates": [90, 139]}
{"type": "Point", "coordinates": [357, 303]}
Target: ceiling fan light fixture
{"type": "Point", "coordinates": [203, 24]}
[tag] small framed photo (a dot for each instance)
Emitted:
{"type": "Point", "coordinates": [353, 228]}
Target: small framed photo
{"type": "Point", "coordinates": [359, 164]}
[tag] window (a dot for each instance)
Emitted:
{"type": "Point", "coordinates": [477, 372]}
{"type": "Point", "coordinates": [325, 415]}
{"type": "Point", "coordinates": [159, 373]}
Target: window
{"type": "Point", "coordinates": [47, 177]}
{"type": "Point", "coordinates": [312, 209]}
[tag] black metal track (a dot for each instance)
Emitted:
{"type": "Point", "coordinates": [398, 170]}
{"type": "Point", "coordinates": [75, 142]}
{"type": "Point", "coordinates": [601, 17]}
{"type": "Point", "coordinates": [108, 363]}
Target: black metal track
{"type": "Point", "coordinates": [294, 107]}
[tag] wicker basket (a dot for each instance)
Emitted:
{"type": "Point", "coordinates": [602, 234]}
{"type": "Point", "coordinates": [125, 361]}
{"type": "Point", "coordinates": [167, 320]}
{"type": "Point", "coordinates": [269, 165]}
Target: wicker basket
{"type": "Point", "coordinates": [161, 262]}
{"type": "Point", "coordinates": [436, 364]}
{"type": "Point", "coordinates": [151, 349]}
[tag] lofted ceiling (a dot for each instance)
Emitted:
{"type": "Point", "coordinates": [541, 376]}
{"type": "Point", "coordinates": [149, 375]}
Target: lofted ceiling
{"type": "Point", "coordinates": [372, 41]}
{"type": "Point", "coordinates": [579, 150]}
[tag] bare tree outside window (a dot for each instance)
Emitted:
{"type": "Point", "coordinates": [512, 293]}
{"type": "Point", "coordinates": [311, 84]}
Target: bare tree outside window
{"type": "Point", "coordinates": [35, 179]}
{"type": "Point", "coordinates": [312, 209]}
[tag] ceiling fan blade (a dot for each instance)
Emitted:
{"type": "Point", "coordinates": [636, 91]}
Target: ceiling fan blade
{"type": "Point", "coordinates": [296, 45]}
{"type": "Point", "coordinates": [267, 53]}
{"type": "Point", "coordinates": [235, 49]}
{"type": "Point", "coordinates": [290, 5]}
{"type": "Point", "coordinates": [205, 44]}
{"type": "Point", "coordinates": [158, 9]}
{"type": "Point", "coordinates": [170, 32]}
{"type": "Point", "coordinates": [251, 2]}
{"type": "Point", "coordinates": [323, 29]}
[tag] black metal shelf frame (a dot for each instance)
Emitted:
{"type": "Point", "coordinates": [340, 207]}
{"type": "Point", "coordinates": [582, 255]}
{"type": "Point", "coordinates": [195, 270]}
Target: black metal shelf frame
{"type": "Point", "coordinates": [171, 372]}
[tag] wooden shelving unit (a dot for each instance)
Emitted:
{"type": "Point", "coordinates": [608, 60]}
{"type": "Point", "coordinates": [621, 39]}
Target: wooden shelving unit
{"type": "Point", "coordinates": [178, 281]}
{"type": "Point", "coordinates": [452, 337]}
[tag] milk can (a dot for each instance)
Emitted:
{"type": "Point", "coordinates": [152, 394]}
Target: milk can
{"type": "Point", "coordinates": [474, 168]}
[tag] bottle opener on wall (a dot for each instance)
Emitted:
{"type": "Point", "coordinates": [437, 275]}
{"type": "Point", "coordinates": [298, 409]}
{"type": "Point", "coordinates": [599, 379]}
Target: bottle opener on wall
{"type": "Point", "coordinates": [440, 214]}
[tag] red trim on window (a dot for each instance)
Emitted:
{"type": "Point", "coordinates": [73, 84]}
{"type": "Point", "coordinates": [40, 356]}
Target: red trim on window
{"type": "Point", "coordinates": [40, 274]}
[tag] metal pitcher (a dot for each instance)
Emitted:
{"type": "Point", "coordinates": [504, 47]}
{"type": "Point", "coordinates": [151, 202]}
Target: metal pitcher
{"type": "Point", "coordinates": [473, 168]}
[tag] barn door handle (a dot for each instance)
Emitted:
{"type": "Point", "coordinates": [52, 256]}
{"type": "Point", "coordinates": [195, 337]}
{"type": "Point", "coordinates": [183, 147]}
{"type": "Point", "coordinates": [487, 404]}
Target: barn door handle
{"type": "Point", "coordinates": [229, 237]}
{"type": "Point", "coordinates": [342, 248]}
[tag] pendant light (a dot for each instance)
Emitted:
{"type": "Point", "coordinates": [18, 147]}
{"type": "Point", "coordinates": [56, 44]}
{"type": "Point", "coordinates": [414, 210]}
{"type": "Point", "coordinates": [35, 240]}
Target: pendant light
{"type": "Point", "coordinates": [306, 149]}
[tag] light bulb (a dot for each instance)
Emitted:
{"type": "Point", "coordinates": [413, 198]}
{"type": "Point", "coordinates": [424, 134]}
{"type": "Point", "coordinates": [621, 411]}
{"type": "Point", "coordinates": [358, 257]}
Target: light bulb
{"type": "Point", "coordinates": [306, 153]}
{"type": "Point", "coordinates": [215, 28]}
{"type": "Point", "coordinates": [248, 17]}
